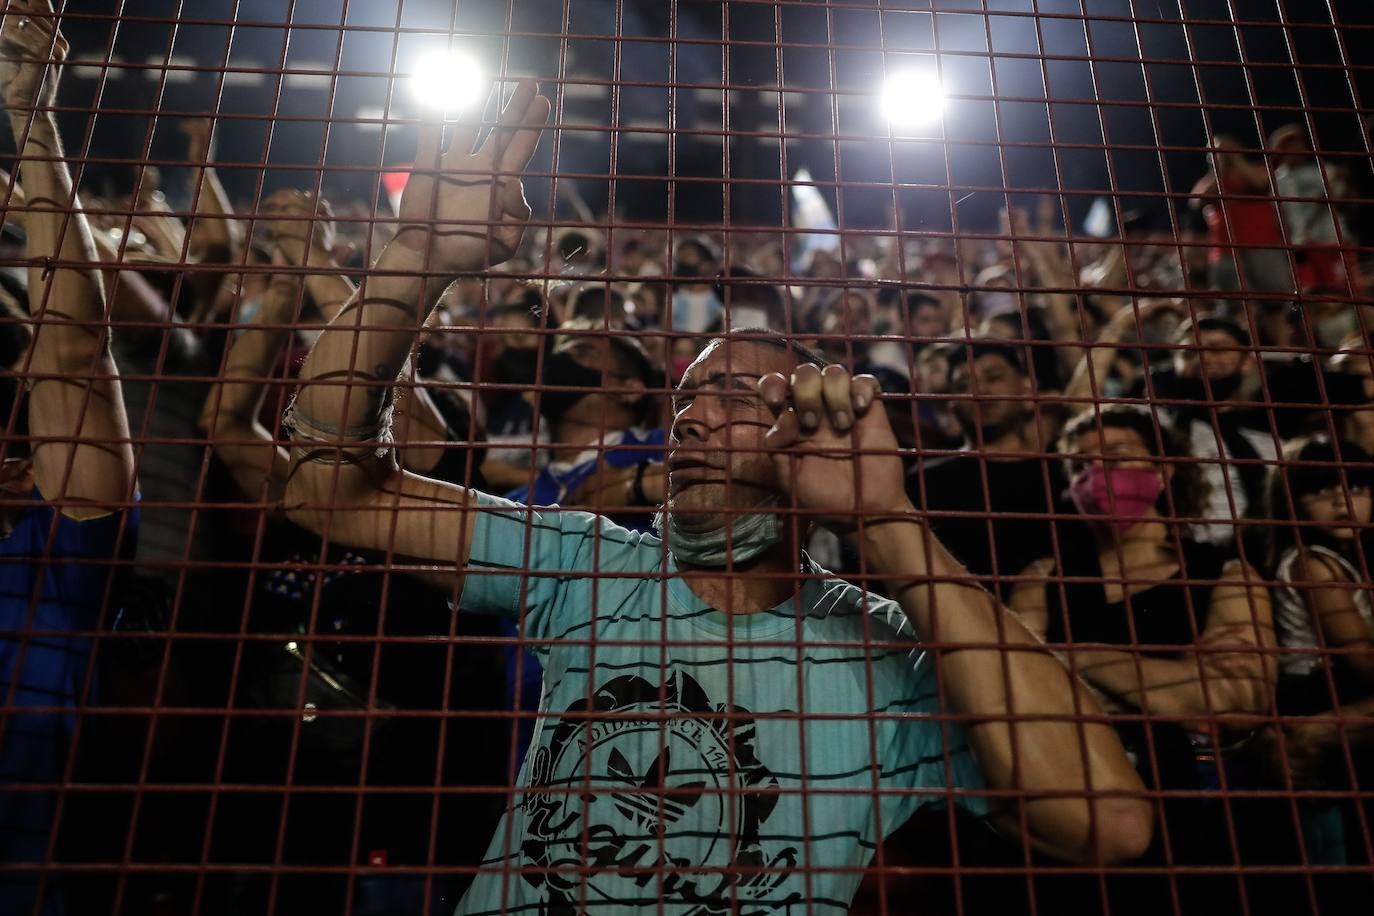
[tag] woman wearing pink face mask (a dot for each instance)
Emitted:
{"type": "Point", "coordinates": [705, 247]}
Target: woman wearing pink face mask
{"type": "Point", "coordinates": [1163, 626]}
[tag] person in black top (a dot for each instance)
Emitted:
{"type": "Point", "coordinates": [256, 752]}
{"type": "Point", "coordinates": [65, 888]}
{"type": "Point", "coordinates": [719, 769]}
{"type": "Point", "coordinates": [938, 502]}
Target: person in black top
{"type": "Point", "coordinates": [1192, 623]}
{"type": "Point", "coordinates": [1003, 493]}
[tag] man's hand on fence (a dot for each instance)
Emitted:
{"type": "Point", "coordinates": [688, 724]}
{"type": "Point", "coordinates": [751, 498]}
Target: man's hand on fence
{"type": "Point", "coordinates": [833, 446]}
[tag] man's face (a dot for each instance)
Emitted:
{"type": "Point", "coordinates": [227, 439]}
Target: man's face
{"type": "Point", "coordinates": [717, 459]}
{"type": "Point", "coordinates": [1219, 355]}
{"type": "Point", "coordinates": [624, 387]}
{"type": "Point", "coordinates": [516, 331]}
{"type": "Point", "coordinates": [928, 320]}
{"type": "Point", "coordinates": [990, 375]}
{"type": "Point", "coordinates": [691, 261]}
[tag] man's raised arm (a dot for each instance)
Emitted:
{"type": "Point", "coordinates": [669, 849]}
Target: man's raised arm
{"type": "Point", "coordinates": [461, 212]}
{"type": "Point", "coordinates": [82, 458]}
{"type": "Point", "coordinates": [1034, 728]}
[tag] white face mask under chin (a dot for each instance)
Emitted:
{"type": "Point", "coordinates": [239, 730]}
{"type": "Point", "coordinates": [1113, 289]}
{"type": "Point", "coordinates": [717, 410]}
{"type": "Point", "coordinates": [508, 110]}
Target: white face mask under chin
{"type": "Point", "coordinates": [750, 534]}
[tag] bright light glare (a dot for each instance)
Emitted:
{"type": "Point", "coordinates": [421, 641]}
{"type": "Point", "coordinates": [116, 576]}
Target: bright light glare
{"type": "Point", "coordinates": [912, 98]}
{"type": "Point", "coordinates": [447, 81]}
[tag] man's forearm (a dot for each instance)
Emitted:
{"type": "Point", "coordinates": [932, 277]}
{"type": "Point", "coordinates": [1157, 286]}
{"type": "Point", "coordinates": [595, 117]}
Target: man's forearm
{"type": "Point", "coordinates": [1040, 734]}
{"type": "Point", "coordinates": [351, 368]}
{"type": "Point", "coordinates": [53, 231]}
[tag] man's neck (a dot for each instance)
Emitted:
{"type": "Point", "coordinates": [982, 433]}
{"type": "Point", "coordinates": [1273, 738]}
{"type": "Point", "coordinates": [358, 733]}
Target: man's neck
{"type": "Point", "coordinates": [1003, 446]}
{"type": "Point", "coordinates": [757, 586]}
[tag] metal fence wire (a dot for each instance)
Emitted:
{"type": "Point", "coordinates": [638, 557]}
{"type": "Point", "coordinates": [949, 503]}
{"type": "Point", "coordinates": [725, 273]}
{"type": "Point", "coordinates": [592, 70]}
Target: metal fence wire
{"type": "Point", "coordinates": [604, 456]}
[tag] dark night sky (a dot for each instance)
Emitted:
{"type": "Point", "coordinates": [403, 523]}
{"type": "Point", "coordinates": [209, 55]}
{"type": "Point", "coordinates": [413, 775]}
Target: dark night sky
{"type": "Point", "coordinates": [1079, 95]}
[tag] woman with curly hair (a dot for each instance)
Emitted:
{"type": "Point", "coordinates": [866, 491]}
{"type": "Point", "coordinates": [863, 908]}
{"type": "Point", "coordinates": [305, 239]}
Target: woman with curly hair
{"type": "Point", "coordinates": [1171, 630]}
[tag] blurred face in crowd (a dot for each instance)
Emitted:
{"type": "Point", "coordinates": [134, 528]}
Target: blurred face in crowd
{"type": "Point", "coordinates": [771, 261]}
{"type": "Point", "coordinates": [932, 369]}
{"type": "Point", "coordinates": [854, 317]}
{"type": "Point", "coordinates": [1336, 504]}
{"type": "Point", "coordinates": [1002, 327]}
{"type": "Point", "coordinates": [1290, 144]}
{"type": "Point", "coordinates": [1114, 447]}
{"type": "Point", "coordinates": [441, 332]}
{"type": "Point", "coordinates": [515, 330]}
{"type": "Point", "coordinates": [1211, 354]}
{"type": "Point", "coordinates": [825, 264]}
{"type": "Point", "coordinates": [1113, 475]}
{"type": "Point", "coordinates": [693, 260]}
{"type": "Point", "coordinates": [1001, 295]}
{"type": "Point", "coordinates": [646, 303]}
{"type": "Point", "coordinates": [611, 408]}
{"type": "Point", "coordinates": [717, 434]}
{"type": "Point", "coordinates": [992, 378]}
{"type": "Point", "coordinates": [928, 320]}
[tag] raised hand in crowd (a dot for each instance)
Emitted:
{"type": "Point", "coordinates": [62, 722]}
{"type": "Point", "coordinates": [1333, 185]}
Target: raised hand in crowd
{"type": "Point", "coordinates": [215, 237]}
{"type": "Point", "coordinates": [461, 210]}
{"type": "Point", "coordinates": [1158, 317]}
{"type": "Point", "coordinates": [301, 228]}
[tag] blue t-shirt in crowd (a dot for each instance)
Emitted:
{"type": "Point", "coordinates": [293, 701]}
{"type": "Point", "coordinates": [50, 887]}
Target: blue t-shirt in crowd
{"type": "Point", "coordinates": [622, 449]}
{"type": "Point", "coordinates": [692, 759]}
{"type": "Point", "coordinates": [51, 579]}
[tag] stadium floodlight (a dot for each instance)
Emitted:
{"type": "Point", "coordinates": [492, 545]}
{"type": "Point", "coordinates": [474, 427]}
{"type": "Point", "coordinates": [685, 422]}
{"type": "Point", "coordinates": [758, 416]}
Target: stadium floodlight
{"type": "Point", "coordinates": [447, 81]}
{"type": "Point", "coordinates": [912, 98]}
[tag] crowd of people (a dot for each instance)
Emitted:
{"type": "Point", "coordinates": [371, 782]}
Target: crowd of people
{"type": "Point", "coordinates": [282, 596]}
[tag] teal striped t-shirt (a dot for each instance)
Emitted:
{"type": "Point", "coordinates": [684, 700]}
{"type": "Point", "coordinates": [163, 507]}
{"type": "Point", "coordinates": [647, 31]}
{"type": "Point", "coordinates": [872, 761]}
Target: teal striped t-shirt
{"type": "Point", "coordinates": [688, 761]}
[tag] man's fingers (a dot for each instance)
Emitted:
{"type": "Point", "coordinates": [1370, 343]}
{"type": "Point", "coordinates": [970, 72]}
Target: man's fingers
{"type": "Point", "coordinates": [806, 395]}
{"type": "Point", "coordinates": [513, 201]}
{"type": "Point", "coordinates": [784, 432]}
{"type": "Point", "coordinates": [835, 391]}
{"type": "Point", "coordinates": [773, 390]}
{"type": "Point", "coordinates": [465, 135]}
{"type": "Point", "coordinates": [429, 148]}
{"type": "Point", "coordinates": [863, 391]}
{"type": "Point", "coordinates": [520, 147]}
{"type": "Point", "coordinates": [513, 112]}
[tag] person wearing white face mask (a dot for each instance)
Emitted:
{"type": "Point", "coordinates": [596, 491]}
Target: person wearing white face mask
{"type": "Point", "coordinates": [1163, 625]}
{"type": "Point", "coordinates": [749, 300]}
{"type": "Point", "coordinates": [666, 692]}
{"type": "Point", "coordinates": [695, 304]}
